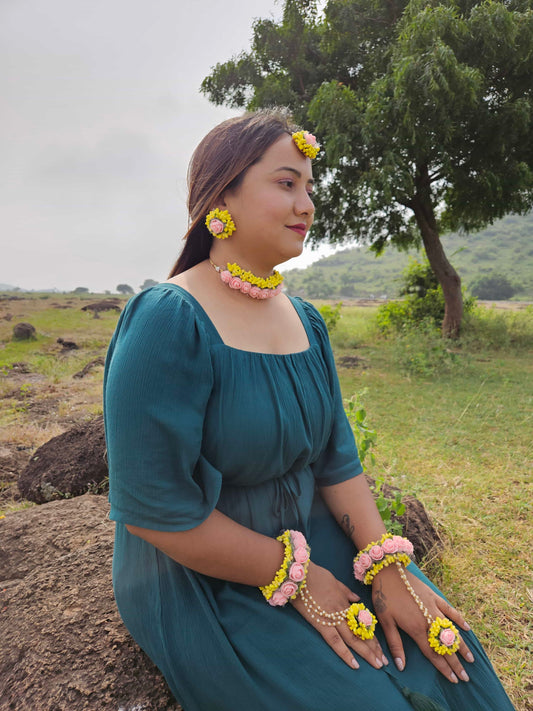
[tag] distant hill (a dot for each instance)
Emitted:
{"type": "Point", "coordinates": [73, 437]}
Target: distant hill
{"type": "Point", "coordinates": [505, 247]}
{"type": "Point", "coordinates": [8, 287]}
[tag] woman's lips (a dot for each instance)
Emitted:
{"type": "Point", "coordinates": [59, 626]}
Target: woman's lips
{"type": "Point", "coordinates": [301, 229]}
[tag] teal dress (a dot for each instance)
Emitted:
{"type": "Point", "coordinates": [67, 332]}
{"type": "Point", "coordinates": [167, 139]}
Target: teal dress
{"type": "Point", "coordinates": [192, 425]}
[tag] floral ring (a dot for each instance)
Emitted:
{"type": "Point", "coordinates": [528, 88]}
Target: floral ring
{"type": "Point", "coordinates": [443, 636]}
{"type": "Point", "coordinates": [361, 621]}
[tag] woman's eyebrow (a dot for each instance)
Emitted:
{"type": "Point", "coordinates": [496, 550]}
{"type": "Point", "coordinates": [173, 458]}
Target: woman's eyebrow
{"type": "Point", "coordinates": [292, 170]}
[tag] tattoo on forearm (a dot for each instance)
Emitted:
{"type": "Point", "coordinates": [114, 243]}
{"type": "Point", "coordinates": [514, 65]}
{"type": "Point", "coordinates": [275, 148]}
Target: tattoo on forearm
{"type": "Point", "coordinates": [379, 599]}
{"type": "Point", "coordinates": [347, 525]}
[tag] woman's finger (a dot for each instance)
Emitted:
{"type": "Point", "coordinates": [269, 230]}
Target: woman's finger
{"type": "Point", "coordinates": [454, 615]}
{"type": "Point", "coordinates": [338, 645]}
{"type": "Point", "coordinates": [394, 641]}
{"type": "Point", "coordinates": [370, 649]}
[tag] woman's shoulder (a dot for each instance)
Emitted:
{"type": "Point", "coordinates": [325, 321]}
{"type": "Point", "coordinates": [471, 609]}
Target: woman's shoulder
{"type": "Point", "coordinates": [165, 309]}
{"type": "Point", "coordinates": [312, 313]}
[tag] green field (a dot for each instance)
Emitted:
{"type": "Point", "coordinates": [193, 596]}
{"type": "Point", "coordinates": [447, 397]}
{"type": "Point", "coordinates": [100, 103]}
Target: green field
{"type": "Point", "coordinates": [454, 427]}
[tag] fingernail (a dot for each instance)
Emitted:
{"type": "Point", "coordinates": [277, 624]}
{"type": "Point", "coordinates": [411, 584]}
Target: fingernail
{"type": "Point", "coordinates": [454, 678]}
{"type": "Point", "coordinates": [467, 627]}
{"type": "Point", "coordinates": [469, 657]}
{"type": "Point", "coordinates": [355, 665]}
{"type": "Point", "coordinates": [464, 676]}
{"type": "Point", "coordinates": [379, 662]}
{"type": "Point", "coordinates": [385, 660]}
{"type": "Point", "coordinates": [399, 663]}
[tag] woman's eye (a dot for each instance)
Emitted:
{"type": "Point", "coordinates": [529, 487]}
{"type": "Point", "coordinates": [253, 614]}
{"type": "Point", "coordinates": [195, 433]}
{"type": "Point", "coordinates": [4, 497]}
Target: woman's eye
{"type": "Point", "coordinates": [288, 183]}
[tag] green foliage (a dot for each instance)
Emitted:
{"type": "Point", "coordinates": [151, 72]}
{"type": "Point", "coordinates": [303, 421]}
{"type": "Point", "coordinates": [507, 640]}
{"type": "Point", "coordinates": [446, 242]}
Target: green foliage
{"type": "Point", "coordinates": [493, 286]}
{"type": "Point", "coordinates": [424, 300]}
{"type": "Point", "coordinates": [331, 315]}
{"type": "Point", "coordinates": [420, 350]}
{"type": "Point", "coordinates": [124, 289]}
{"type": "Point", "coordinates": [424, 109]}
{"type": "Point", "coordinates": [389, 507]}
{"type": "Point", "coordinates": [498, 330]}
{"type": "Point", "coordinates": [366, 438]}
{"type": "Point", "coordinates": [81, 290]}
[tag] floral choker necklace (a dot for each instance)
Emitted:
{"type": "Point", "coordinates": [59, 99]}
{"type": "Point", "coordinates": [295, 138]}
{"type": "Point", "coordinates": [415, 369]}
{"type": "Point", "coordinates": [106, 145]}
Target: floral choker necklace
{"type": "Point", "coordinates": [246, 282]}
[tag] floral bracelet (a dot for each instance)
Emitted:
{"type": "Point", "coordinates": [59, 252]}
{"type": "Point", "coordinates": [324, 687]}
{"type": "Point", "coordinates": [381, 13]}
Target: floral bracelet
{"type": "Point", "coordinates": [443, 636]}
{"type": "Point", "coordinates": [289, 579]}
{"type": "Point", "coordinates": [378, 555]}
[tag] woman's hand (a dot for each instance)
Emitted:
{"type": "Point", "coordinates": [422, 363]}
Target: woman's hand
{"type": "Point", "coordinates": [396, 608]}
{"type": "Point", "coordinates": [332, 595]}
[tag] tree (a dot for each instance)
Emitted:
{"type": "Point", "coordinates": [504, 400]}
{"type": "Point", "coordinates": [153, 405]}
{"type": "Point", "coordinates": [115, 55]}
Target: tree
{"type": "Point", "coordinates": [81, 290]}
{"type": "Point", "coordinates": [147, 284]}
{"type": "Point", "coordinates": [124, 289]}
{"type": "Point", "coordinates": [424, 109]}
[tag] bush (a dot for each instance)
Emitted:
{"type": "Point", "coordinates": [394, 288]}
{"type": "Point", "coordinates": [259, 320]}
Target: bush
{"type": "Point", "coordinates": [493, 286]}
{"type": "Point", "coordinates": [496, 329]}
{"type": "Point", "coordinates": [331, 315]}
{"type": "Point", "coordinates": [420, 350]}
{"type": "Point", "coordinates": [423, 300]}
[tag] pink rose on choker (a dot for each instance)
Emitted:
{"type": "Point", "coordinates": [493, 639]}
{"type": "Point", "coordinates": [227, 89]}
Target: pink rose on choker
{"type": "Point", "coordinates": [216, 226]}
{"type": "Point", "coordinates": [264, 294]}
{"type": "Point", "coordinates": [365, 618]}
{"type": "Point", "coordinates": [297, 572]}
{"type": "Point", "coordinates": [389, 546]}
{"type": "Point", "coordinates": [365, 560]}
{"type": "Point", "coordinates": [301, 555]}
{"type": "Point", "coordinates": [277, 599]}
{"type": "Point", "coordinates": [246, 286]}
{"type": "Point", "coordinates": [255, 292]}
{"type": "Point", "coordinates": [376, 553]}
{"type": "Point", "coordinates": [288, 589]}
{"type": "Point", "coordinates": [447, 637]}
{"type": "Point", "coordinates": [235, 283]}
{"type": "Point", "coordinates": [225, 276]}
{"type": "Point", "coordinates": [309, 138]}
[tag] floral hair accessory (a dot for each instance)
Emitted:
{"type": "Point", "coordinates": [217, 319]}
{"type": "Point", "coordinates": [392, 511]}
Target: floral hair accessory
{"type": "Point", "coordinates": [290, 578]}
{"type": "Point", "coordinates": [219, 223]}
{"type": "Point", "coordinates": [380, 554]}
{"type": "Point", "coordinates": [306, 143]}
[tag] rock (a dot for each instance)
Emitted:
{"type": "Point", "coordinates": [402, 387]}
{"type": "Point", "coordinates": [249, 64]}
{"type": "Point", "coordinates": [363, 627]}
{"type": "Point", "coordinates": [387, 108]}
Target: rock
{"type": "Point", "coordinates": [104, 305]}
{"type": "Point", "coordinates": [67, 345]}
{"type": "Point", "coordinates": [67, 465]}
{"type": "Point", "coordinates": [416, 524]}
{"type": "Point", "coordinates": [64, 646]}
{"type": "Point", "coordinates": [23, 332]}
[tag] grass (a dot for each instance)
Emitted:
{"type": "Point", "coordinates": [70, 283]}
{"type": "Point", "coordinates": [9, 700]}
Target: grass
{"type": "Point", "coordinates": [454, 429]}
{"type": "Point", "coordinates": [460, 440]}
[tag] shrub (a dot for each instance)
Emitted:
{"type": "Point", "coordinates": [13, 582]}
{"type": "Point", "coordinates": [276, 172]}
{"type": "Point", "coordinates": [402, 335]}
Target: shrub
{"type": "Point", "coordinates": [331, 315]}
{"type": "Point", "coordinates": [493, 286]}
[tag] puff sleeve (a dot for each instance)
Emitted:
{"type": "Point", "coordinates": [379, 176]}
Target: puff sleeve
{"type": "Point", "coordinates": [339, 460]}
{"type": "Point", "coordinates": [157, 383]}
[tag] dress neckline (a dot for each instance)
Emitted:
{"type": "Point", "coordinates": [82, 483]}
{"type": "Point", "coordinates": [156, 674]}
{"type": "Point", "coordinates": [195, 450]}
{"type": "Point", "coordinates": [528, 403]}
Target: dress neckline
{"type": "Point", "coordinates": [297, 305]}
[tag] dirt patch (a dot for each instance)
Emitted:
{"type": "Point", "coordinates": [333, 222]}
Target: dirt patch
{"type": "Point", "coordinates": [350, 361]}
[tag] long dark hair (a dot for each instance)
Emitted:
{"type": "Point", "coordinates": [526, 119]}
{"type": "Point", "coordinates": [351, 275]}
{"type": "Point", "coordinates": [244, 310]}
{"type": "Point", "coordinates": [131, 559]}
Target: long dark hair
{"type": "Point", "coordinates": [218, 164]}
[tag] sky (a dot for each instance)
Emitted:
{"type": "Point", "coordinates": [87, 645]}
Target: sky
{"type": "Point", "coordinates": [100, 113]}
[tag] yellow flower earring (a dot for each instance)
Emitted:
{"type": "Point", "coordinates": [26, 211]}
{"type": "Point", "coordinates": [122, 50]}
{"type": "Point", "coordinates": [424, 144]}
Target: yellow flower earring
{"type": "Point", "coordinates": [220, 223]}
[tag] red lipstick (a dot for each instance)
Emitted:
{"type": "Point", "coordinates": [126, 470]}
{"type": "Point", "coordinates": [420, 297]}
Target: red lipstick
{"type": "Point", "coordinates": [300, 228]}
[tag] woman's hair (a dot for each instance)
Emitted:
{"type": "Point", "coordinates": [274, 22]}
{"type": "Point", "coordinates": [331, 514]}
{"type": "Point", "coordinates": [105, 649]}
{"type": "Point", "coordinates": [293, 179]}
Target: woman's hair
{"type": "Point", "coordinates": [219, 163]}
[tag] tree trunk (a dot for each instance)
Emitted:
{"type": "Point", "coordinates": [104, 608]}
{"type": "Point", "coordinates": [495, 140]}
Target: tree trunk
{"type": "Point", "coordinates": [448, 278]}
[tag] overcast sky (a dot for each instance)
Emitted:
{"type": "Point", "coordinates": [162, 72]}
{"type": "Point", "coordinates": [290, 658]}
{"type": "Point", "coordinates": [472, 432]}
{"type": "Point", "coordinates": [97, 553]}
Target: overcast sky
{"type": "Point", "coordinates": [100, 114]}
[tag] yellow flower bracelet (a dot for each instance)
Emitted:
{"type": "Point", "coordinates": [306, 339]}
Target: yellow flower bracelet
{"type": "Point", "coordinates": [291, 576]}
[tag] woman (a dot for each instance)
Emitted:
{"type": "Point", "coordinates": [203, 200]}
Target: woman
{"type": "Point", "coordinates": [225, 426]}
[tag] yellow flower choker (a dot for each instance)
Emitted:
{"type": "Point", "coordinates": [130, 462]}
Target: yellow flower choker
{"type": "Point", "coordinates": [247, 283]}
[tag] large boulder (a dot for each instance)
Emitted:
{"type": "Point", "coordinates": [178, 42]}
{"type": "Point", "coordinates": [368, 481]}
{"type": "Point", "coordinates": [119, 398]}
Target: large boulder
{"type": "Point", "coordinates": [64, 646]}
{"type": "Point", "coordinates": [68, 465]}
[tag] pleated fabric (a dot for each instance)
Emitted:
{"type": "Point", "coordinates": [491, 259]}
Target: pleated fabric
{"type": "Point", "coordinates": [193, 424]}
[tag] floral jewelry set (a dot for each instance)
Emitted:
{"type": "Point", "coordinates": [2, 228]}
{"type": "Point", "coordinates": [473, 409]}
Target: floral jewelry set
{"type": "Point", "coordinates": [290, 581]}
{"type": "Point", "coordinates": [220, 224]}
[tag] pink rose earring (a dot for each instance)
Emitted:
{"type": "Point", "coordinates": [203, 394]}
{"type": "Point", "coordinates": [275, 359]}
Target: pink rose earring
{"type": "Point", "coordinates": [220, 224]}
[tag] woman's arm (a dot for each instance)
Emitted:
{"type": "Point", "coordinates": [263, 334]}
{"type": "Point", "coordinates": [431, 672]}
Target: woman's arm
{"type": "Point", "coordinates": [221, 548]}
{"type": "Point", "coordinates": [352, 504]}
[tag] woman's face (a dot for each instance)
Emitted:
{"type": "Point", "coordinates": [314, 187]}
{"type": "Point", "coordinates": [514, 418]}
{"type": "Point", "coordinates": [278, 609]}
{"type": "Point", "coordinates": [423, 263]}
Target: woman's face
{"type": "Point", "coordinates": [272, 207]}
